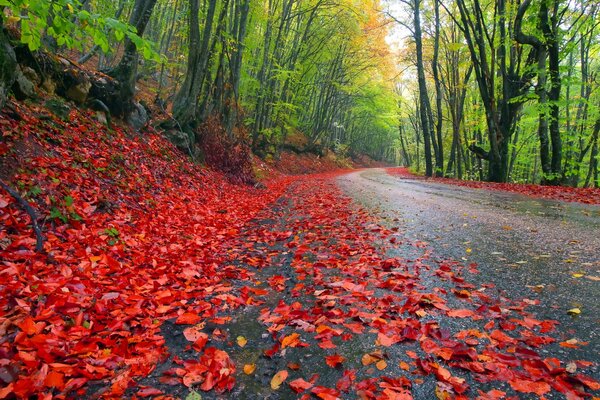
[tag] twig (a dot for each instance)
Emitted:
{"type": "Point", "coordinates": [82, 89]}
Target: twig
{"type": "Point", "coordinates": [39, 247]}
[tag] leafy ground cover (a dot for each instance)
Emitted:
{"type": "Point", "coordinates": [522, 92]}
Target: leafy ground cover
{"type": "Point", "coordinates": [564, 193]}
{"type": "Point", "coordinates": [132, 229]}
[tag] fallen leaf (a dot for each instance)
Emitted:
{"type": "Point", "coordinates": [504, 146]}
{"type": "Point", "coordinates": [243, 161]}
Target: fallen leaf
{"type": "Point", "coordinates": [249, 368]}
{"type": "Point", "coordinates": [241, 341]}
{"type": "Point", "coordinates": [278, 379]}
{"type": "Point", "coordinates": [300, 385]}
{"type": "Point", "coordinates": [381, 365]}
{"type": "Point", "coordinates": [334, 360]}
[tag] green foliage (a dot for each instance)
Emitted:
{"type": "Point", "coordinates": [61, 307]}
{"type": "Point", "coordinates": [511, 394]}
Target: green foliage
{"type": "Point", "coordinates": [69, 24]}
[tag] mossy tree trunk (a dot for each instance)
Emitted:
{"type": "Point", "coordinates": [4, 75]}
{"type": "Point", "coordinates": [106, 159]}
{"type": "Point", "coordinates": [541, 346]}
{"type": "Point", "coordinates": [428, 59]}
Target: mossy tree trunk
{"type": "Point", "coordinates": [8, 65]}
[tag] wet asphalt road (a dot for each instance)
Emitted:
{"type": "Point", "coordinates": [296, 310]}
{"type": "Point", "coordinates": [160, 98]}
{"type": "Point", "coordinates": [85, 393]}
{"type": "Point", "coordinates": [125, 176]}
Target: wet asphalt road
{"type": "Point", "coordinates": [530, 248]}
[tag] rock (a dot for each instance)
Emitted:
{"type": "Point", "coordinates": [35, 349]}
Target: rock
{"type": "Point", "coordinates": [180, 139]}
{"type": "Point", "coordinates": [23, 88]}
{"type": "Point", "coordinates": [49, 86]}
{"type": "Point", "coordinates": [79, 93]}
{"type": "Point", "coordinates": [138, 117]}
{"type": "Point", "coordinates": [31, 75]}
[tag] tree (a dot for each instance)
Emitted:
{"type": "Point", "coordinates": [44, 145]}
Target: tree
{"type": "Point", "coordinates": [8, 64]}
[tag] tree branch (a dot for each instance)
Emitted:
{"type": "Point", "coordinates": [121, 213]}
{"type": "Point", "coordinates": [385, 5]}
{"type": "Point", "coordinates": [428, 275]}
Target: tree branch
{"type": "Point", "coordinates": [519, 35]}
{"type": "Point", "coordinates": [39, 247]}
{"type": "Point", "coordinates": [480, 152]}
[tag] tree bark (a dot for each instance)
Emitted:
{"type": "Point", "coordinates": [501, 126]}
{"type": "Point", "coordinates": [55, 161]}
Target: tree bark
{"type": "Point", "coordinates": [423, 96]}
{"type": "Point", "coordinates": [126, 71]}
{"type": "Point", "coordinates": [8, 65]}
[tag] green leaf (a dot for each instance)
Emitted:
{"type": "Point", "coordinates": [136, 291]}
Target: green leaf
{"type": "Point", "coordinates": [193, 395]}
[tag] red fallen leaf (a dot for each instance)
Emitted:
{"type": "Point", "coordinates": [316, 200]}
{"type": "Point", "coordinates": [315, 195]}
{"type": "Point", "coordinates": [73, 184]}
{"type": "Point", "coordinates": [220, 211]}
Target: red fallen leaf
{"type": "Point", "coordinates": [385, 340]}
{"type": "Point", "coordinates": [502, 337]}
{"type": "Point", "coordinates": [346, 381]}
{"type": "Point", "coordinates": [55, 379]}
{"type": "Point", "coordinates": [355, 327]}
{"type": "Point", "coordinates": [120, 383]}
{"type": "Point", "coordinates": [188, 319]}
{"type": "Point", "coordinates": [6, 391]}
{"type": "Point", "coordinates": [272, 351]}
{"type": "Point", "coordinates": [29, 326]}
{"type": "Point", "coordinates": [429, 346]}
{"type": "Point", "coordinates": [300, 385]}
{"type": "Point", "coordinates": [194, 333]}
{"type": "Point", "coordinates": [325, 393]}
{"type": "Point", "coordinates": [525, 386]}
{"type": "Point", "coordinates": [149, 391]}
{"type": "Point", "coordinates": [462, 313]}
{"type": "Point", "coordinates": [493, 394]}
{"type": "Point", "coordinates": [587, 381]}
{"type": "Point", "coordinates": [293, 366]}
{"type": "Point", "coordinates": [200, 342]}
{"type": "Point", "coordinates": [327, 344]}
{"type": "Point", "coordinates": [334, 360]}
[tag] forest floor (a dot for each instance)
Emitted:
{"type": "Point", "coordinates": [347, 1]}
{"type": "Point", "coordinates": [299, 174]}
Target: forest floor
{"type": "Point", "coordinates": [161, 279]}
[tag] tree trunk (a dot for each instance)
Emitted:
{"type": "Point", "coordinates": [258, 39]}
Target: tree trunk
{"type": "Point", "coordinates": [439, 170]}
{"type": "Point", "coordinates": [8, 65]}
{"type": "Point", "coordinates": [185, 103]}
{"type": "Point", "coordinates": [126, 71]}
{"type": "Point", "coordinates": [423, 97]}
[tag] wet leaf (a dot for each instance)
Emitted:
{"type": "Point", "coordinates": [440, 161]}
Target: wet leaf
{"type": "Point", "coordinates": [574, 311]}
{"type": "Point", "coordinates": [381, 365]}
{"type": "Point", "coordinates": [300, 385]}
{"type": "Point", "coordinates": [278, 379]}
{"type": "Point", "coordinates": [249, 369]}
{"type": "Point", "coordinates": [193, 395]}
{"type": "Point", "coordinates": [241, 341]}
{"type": "Point", "coordinates": [334, 360]}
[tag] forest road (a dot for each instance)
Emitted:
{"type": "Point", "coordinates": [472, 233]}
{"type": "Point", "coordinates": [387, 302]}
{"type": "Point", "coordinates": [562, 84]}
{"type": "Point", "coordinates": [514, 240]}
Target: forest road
{"type": "Point", "coordinates": [528, 247]}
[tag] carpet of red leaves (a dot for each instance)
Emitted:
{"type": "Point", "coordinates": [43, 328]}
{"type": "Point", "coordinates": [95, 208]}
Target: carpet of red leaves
{"type": "Point", "coordinates": [298, 164]}
{"type": "Point", "coordinates": [132, 229]}
{"type": "Point", "coordinates": [564, 193]}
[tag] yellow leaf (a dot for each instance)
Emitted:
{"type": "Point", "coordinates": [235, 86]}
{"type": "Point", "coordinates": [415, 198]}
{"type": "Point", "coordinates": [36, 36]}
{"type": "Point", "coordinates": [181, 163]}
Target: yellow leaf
{"type": "Point", "coordinates": [278, 379]}
{"type": "Point", "coordinates": [574, 311]}
{"type": "Point", "coordinates": [593, 278]}
{"type": "Point", "coordinates": [468, 250]}
{"type": "Point", "coordinates": [70, 7]}
{"type": "Point", "coordinates": [577, 275]}
{"type": "Point", "coordinates": [381, 365]}
{"type": "Point", "coordinates": [13, 19]}
{"type": "Point", "coordinates": [241, 341]}
{"type": "Point", "coordinates": [249, 368]}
